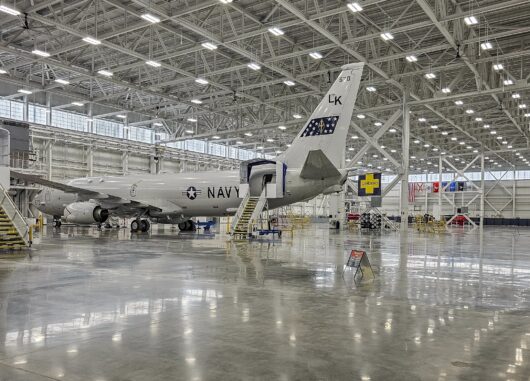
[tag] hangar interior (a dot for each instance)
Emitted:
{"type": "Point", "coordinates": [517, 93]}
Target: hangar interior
{"type": "Point", "coordinates": [94, 91]}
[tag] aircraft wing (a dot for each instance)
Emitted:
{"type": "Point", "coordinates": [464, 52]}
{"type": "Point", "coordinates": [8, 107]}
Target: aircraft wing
{"type": "Point", "coordinates": [107, 201]}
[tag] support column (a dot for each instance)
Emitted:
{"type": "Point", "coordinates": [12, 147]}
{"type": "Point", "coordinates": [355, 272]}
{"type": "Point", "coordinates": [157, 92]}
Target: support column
{"type": "Point", "coordinates": [482, 191]}
{"type": "Point", "coordinates": [48, 109]}
{"type": "Point", "coordinates": [90, 120]}
{"type": "Point", "coordinates": [25, 109]}
{"type": "Point", "coordinates": [125, 162]}
{"type": "Point", "coordinates": [404, 212]}
{"type": "Point", "coordinates": [49, 158]}
{"type": "Point", "coordinates": [514, 191]}
{"type": "Point", "coordinates": [90, 161]}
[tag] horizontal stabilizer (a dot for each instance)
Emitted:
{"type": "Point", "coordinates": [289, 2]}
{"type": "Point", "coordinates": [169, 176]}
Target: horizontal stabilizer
{"type": "Point", "coordinates": [318, 167]}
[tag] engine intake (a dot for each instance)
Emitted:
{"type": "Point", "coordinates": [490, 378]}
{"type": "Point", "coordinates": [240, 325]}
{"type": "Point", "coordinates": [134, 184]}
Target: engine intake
{"type": "Point", "coordinates": [85, 213]}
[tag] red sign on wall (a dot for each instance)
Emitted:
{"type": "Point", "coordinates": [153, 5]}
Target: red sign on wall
{"type": "Point", "coordinates": [435, 187]}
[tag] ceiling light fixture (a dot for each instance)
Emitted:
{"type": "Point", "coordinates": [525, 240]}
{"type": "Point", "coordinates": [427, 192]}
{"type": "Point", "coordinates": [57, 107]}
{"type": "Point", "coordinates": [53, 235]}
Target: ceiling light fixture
{"type": "Point", "coordinates": [354, 7]}
{"type": "Point", "coordinates": [153, 63]}
{"type": "Point", "coordinates": [201, 81]}
{"type": "Point", "coordinates": [151, 18]}
{"type": "Point", "coordinates": [105, 73]}
{"type": "Point", "coordinates": [507, 82]}
{"type": "Point", "coordinates": [2, 71]}
{"type": "Point", "coordinates": [254, 66]}
{"type": "Point", "coordinates": [446, 90]}
{"type": "Point", "coordinates": [209, 45]}
{"type": "Point", "coordinates": [470, 20]}
{"type": "Point", "coordinates": [282, 127]}
{"type": "Point", "coordinates": [196, 101]}
{"type": "Point", "coordinates": [469, 111]}
{"type": "Point", "coordinates": [190, 131]}
{"type": "Point", "coordinates": [498, 67]}
{"type": "Point", "coordinates": [79, 104]}
{"type": "Point", "coordinates": [486, 45]}
{"type": "Point", "coordinates": [41, 53]}
{"type": "Point", "coordinates": [62, 81]}
{"type": "Point", "coordinates": [297, 116]}
{"type": "Point", "coordinates": [248, 134]}
{"type": "Point", "coordinates": [387, 36]}
{"type": "Point", "coordinates": [91, 40]}
{"type": "Point", "coordinates": [216, 137]}
{"type": "Point", "coordinates": [371, 89]}
{"type": "Point", "coordinates": [411, 58]}
{"type": "Point", "coordinates": [516, 95]}
{"type": "Point", "coordinates": [459, 103]}
{"type": "Point", "coordinates": [24, 91]}
{"type": "Point", "coordinates": [193, 120]}
{"type": "Point", "coordinates": [289, 83]}
{"type": "Point", "coordinates": [276, 31]}
{"type": "Point", "coordinates": [315, 55]}
{"type": "Point", "coordinates": [121, 116]}
{"type": "Point", "coordinates": [361, 116]}
{"type": "Point", "coordinates": [430, 75]}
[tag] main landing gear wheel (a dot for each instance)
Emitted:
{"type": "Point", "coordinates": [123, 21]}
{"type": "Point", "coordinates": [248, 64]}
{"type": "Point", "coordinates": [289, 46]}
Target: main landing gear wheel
{"type": "Point", "coordinates": [144, 225]}
{"type": "Point", "coordinates": [140, 225]}
{"type": "Point", "coordinates": [187, 226]}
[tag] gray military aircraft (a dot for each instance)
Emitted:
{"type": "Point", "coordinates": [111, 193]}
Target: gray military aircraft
{"type": "Point", "coordinates": [312, 165]}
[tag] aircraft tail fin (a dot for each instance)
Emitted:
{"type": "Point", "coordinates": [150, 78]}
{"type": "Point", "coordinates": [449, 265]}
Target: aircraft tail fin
{"type": "Point", "coordinates": [327, 128]}
{"type": "Point", "coordinates": [318, 167]}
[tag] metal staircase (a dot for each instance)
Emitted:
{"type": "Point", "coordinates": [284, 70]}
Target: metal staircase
{"type": "Point", "coordinates": [14, 230]}
{"type": "Point", "coordinates": [248, 212]}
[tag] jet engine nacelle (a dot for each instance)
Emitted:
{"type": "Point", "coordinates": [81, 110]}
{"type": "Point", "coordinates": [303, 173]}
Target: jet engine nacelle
{"type": "Point", "coordinates": [85, 213]}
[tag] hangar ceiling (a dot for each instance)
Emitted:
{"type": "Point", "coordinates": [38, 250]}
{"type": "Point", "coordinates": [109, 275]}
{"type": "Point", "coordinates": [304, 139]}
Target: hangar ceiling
{"type": "Point", "coordinates": [258, 68]}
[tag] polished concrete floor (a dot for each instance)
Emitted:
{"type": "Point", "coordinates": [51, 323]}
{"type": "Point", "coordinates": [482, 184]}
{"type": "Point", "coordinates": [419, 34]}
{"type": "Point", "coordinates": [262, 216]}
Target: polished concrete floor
{"type": "Point", "coordinates": [96, 305]}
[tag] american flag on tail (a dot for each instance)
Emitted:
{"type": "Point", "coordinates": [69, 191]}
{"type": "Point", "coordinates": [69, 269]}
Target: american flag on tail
{"type": "Point", "coordinates": [320, 126]}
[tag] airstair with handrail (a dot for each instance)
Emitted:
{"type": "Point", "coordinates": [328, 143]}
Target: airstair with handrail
{"type": "Point", "coordinates": [14, 230]}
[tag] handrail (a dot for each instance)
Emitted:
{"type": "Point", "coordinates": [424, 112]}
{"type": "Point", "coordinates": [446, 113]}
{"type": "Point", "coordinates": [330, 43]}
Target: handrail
{"type": "Point", "coordinates": [258, 209]}
{"type": "Point", "coordinates": [240, 210]}
{"type": "Point", "coordinates": [12, 212]}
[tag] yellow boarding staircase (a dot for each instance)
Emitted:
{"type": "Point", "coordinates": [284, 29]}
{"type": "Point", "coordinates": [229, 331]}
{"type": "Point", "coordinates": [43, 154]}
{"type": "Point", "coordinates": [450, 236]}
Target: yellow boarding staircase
{"type": "Point", "coordinates": [14, 230]}
{"type": "Point", "coordinates": [248, 212]}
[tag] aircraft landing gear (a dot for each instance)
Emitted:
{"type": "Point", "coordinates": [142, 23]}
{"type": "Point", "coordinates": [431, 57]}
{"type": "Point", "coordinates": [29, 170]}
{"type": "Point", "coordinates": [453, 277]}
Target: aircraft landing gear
{"type": "Point", "coordinates": [140, 225]}
{"type": "Point", "coordinates": [56, 222]}
{"type": "Point", "coordinates": [187, 226]}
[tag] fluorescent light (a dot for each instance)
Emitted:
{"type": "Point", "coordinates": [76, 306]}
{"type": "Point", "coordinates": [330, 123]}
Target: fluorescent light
{"type": "Point", "coordinates": [422, 120]}
{"type": "Point", "coordinates": [469, 111]}
{"type": "Point", "coordinates": [259, 147]}
{"type": "Point", "coordinates": [315, 55]}
{"type": "Point", "coordinates": [454, 139]}
{"type": "Point", "coordinates": [216, 137]}
{"type": "Point", "coordinates": [121, 116]}
{"type": "Point", "coordinates": [434, 127]}
{"type": "Point", "coordinates": [378, 124]}
{"type": "Point", "coordinates": [270, 140]}
{"type": "Point", "coordinates": [355, 7]}
{"type": "Point", "coordinates": [254, 66]}
{"type": "Point", "coordinates": [239, 142]}
{"type": "Point", "coordinates": [387, 36]}
{"type": "Point", "coordinates": [193, 120]}
{"type": "Point", "coordinates": [289, 83]}
{"type": "Point", "coordinates": [190, 131]}
{"type": "Point", "coordinates": [297, 116]}
{"type": "Point", "coordinates": [149, 17]}
{"type": "Point", "coordinates": [516, 95]}
{"type": "Point", "coordinates": [486, 45]}
{"type": "Point", "coordinates": [41, 53]}
{"type": "Point", "coordinates": [196, 101]}
{"type": "Point", "coordinates": [522, 105]}
{"type": "Point", "coordinates": [201, 81]}
{"type": "Point", "coordinates": [371, 89]}
{"type": "Point", "coordinates": [361, 116]}
{"type": "Point", "coordinates": [416, 141]}
{"type": "Point", "coordinates": [470, 20]}
{"type": "Point", "coordinates": [209, 45]}
{"type": "Point", "coordinates": [248, 134]}
{"type": "Point", "coordinates": [411, 58]}
{"type": "Point", "coordinates": [153, 63]}
{"type": "Point", "coordinates": [426, 145]}
{"type": "Point", "coordinates": [282, 127]}
{"type": "Point", "coordinates": [24, 91]}
{"type": "Point", "coordinates": [276, 31]}
{"type": "Point", "coordinates": [105, 73]}
{"type": "Point", "coordinates": [478, 119]}
{"type": "Point", "coordinates": [459, 103]}
{"type": "Point", "coordinates": [2, 71]}
{"type": "Point", "coordinates": [493, 132]}
{"type": "Point", "coordinates": [225, 1]}
{"type": "Point", "coordinates": [508, 82]}
{"type": "Point", "coordinates": [498, 67]}
{"type": "Point", "coordinates": [430, 75]}
{"type": "Point", "coordinates": [91, 40]}
{"type": "Point", "coordinates": [79, 104]}
{"type": "Point", "coordinates": [355, 137]}
{"type": "Point", "coordinates": [8, 10]}
{"type": "Point", "coordinates": [62, 81]}
{"type": "Point", "coordinates": [392, 130]}
{"type": "Point", "coordinates": [445, 133]}
{"type": "Point", "coordinates": [446, 90]}
{"type": "Point", "coordinates": [527, 115]}
{"type": "Point", "coordinates": [486, 126]}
